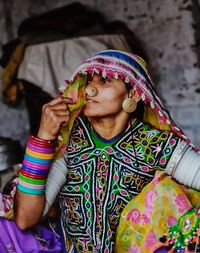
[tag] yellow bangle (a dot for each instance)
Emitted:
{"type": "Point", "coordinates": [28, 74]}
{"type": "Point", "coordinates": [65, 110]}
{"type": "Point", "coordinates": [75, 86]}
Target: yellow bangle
{"type": "Point", "coordinates": [39, 155]}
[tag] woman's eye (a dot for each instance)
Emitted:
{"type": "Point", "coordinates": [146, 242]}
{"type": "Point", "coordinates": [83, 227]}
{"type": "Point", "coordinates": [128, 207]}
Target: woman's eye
{"type": "Point", "coordinates": [105, 80]}
{"type": "Point", "coordinates": [89, 79]}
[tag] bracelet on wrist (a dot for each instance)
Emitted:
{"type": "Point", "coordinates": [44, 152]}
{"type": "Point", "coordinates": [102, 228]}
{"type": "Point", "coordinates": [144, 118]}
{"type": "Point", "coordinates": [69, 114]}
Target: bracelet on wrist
{"type": "Point", "coordinates": [36, 164]}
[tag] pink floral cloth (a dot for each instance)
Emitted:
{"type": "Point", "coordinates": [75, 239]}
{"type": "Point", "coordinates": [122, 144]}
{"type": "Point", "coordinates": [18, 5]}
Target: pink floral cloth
{"type": "Point", "coordinates": [149, 215]}
{"type": "Point", "coordinates": [7, 202]}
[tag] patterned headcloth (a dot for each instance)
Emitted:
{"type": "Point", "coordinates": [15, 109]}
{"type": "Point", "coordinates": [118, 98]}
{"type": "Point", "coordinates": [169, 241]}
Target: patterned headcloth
{"type": "Point", "coordinates": [130, 68]}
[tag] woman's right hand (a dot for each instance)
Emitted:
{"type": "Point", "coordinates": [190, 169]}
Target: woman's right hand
{"type": "Point", "coordinates": [54, 115]}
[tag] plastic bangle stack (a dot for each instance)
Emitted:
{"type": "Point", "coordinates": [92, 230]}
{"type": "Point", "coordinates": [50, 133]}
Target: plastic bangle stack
{"type": "Point", "coordinates": [35, 167]}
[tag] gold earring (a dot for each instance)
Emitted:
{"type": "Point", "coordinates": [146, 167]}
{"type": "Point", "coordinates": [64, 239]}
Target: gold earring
{"type": "Point", "coordinates": [129, 105]}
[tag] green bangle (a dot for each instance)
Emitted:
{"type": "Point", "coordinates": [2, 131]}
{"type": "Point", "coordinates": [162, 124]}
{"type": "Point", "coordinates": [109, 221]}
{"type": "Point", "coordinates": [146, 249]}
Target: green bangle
{"type": "Point", "coordinates": [30, 191]}
{"type": "Point", "coordinates": [31, 180]}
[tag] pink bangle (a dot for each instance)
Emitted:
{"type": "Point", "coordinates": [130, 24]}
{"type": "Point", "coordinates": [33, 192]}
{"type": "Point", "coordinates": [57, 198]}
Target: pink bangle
{"type": "Point", "coordinates": [33, 165]}
{"type": "Point", "coordinates": [40, 149]}
{"type": "Point", "coordinates": [32, 186]}
{"type": "Point", "coordinates": [38, 142]}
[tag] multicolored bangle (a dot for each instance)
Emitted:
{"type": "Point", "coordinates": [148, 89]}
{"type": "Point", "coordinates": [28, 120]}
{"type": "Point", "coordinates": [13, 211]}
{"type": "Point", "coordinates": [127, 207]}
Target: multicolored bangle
{"type": "Point", "coordinates": [37, 171]}
{"type": "Point", "coordinates": [39, 155]}
{"type": "Point", "coordinates": [33, 176]}
{"type": "Point", "coordinates": [29, 190]}
{"type": "Point", "coordinates": [31, 180]}
{"type": "Point", "coordinates": [39, 149]}
{"type": "Point", "coordinates": [33, 165]}
{"type": "Point", "coordinates": [36, 164]}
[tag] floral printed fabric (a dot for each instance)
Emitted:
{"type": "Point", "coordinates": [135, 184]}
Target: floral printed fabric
{"type": "Point", "coordinates": [75, 91]}
{"type": "Point", "coordinates": [7, 202]}
{"type": "Point", "coordinates": [147, 217]}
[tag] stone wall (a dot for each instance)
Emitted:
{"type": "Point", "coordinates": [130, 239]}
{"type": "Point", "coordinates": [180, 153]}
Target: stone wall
{"type": "Point", "coordinates": [169, 30]}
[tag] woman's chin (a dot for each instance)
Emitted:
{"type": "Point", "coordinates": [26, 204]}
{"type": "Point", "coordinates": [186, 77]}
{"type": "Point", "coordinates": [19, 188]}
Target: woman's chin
{"type": "Point", "coordinates": [90, 114]}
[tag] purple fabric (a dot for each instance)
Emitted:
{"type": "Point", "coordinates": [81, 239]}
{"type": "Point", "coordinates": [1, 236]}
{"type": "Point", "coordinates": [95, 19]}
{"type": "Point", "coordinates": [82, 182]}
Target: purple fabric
{"type": "Point", "coordinates": [37, 240]}
{"type": "Point", "coordinates": [160, 250]}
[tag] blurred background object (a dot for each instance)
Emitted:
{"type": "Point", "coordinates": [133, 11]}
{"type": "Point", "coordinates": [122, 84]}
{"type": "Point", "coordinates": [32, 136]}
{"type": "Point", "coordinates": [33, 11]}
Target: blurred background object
{"type": "Point", "coordinates": [42, 42]}
{"type": "Point", "coordinates": [10, 155]}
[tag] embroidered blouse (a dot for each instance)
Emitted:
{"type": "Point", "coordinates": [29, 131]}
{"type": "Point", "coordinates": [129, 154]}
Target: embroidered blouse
{"type": "Point", "coordinates": [104, 175]}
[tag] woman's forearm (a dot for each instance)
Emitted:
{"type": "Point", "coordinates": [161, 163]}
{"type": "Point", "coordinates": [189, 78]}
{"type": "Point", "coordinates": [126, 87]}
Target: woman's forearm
{"type": "Point", "coordinates": [32, 177]}
{"type": "Point", "coordinates": [28, 209]}
{"type": "Point", "coordinates": [32, 180]}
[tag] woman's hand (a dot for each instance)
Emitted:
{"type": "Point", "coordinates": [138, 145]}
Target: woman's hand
{"type": "Point", "coordinates": [54, 115]}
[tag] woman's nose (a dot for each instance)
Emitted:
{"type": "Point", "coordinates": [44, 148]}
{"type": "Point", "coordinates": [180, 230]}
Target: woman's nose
{"type": "Point", "coordinates": [91, 91]}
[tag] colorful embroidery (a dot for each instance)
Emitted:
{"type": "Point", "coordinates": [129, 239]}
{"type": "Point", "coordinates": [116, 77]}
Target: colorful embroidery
{"type": "Point", "coordinates": [104, 176]}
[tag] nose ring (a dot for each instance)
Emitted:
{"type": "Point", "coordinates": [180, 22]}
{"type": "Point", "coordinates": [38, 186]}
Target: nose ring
{"type": "Point", "coordinates": [91, 91]}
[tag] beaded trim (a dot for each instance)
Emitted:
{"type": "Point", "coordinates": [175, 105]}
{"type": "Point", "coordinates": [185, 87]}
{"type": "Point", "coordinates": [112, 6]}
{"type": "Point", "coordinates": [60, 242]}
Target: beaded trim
{"type": "Point", "coordinates": [185, 234]}
{"type": "Point", "coordinates": [131, 69]}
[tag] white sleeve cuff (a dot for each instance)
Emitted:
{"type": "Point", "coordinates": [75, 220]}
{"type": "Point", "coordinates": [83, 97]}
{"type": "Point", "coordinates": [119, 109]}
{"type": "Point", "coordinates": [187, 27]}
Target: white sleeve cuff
{"type": "Point", "coordinates": [184, 165]}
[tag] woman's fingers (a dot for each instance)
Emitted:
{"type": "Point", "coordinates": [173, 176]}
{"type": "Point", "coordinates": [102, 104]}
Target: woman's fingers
{"type": "Point", "coordinates": [60, 107]}
{"type": "Point", "coordinates": [55, 108]}
{"type": "Point", "coordinates": [54, 115]}
{"type": "Point", "coordinates": [58, 104]}
{"type": "Point", "coordinates": [58, 116]}
{"type": "Point", "coordinates": [60, 100]}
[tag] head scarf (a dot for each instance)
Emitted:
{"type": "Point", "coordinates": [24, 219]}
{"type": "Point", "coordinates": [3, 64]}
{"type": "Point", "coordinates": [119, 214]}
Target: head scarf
{"type": "Point", "coordinates": [129, 68]}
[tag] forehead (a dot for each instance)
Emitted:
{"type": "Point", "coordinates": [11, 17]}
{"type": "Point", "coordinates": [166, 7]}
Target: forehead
{"type": "Point", "coordinates": [100, 77]}
{"type": "Point", "coordinates": [118, 84]}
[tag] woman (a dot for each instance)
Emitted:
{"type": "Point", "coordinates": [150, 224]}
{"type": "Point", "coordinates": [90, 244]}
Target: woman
{"type": "Point", "coordinates": [108, 151]}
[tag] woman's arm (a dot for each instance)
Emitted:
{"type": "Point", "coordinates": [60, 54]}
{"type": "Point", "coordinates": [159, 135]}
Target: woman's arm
{"type": "Point", "coordinates": [29, 207]}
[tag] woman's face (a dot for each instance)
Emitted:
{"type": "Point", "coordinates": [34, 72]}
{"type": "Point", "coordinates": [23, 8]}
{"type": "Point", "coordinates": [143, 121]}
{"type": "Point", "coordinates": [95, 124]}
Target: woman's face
{"type": "Point", "coordinates": [108, 100]}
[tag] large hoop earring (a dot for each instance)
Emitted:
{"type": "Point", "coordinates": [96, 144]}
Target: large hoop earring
{"type": "Point", "coordinates": [129, 105]}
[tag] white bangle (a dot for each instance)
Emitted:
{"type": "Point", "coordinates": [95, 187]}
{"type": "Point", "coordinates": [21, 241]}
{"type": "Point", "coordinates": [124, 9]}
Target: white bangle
{"type": "Point", "coordinates": [187, 171]}
{"type": "Point", "coordinates": [175, 158]}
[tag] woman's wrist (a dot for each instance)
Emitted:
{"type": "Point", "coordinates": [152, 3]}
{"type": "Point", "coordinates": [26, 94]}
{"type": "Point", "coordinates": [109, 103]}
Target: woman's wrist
{"type": "Point", "coordinates": [43, 135]}
{"type": "Point", "coordinates": [36, 164]}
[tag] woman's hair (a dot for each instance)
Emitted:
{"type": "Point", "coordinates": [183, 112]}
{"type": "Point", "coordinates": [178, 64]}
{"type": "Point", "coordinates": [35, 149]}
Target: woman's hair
{"type": "Point", "coordinates": [139, 111]}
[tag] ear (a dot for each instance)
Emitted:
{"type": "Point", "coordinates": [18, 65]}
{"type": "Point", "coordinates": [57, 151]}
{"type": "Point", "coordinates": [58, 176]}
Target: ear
{"type": "Point", "coordinates": [134, 95]}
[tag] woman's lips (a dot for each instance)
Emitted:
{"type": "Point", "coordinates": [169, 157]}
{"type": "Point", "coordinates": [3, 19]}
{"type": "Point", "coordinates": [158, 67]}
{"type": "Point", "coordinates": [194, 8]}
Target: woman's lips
{"type": "Point", "coordinates": [90, 101]}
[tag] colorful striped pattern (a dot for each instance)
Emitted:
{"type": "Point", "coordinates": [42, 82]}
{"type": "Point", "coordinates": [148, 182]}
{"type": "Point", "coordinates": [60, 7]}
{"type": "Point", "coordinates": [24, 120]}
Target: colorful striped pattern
{"type": "Point", "coordinates": [131, 69]}
{"type": "Point", "coordinates": [35, 168]}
